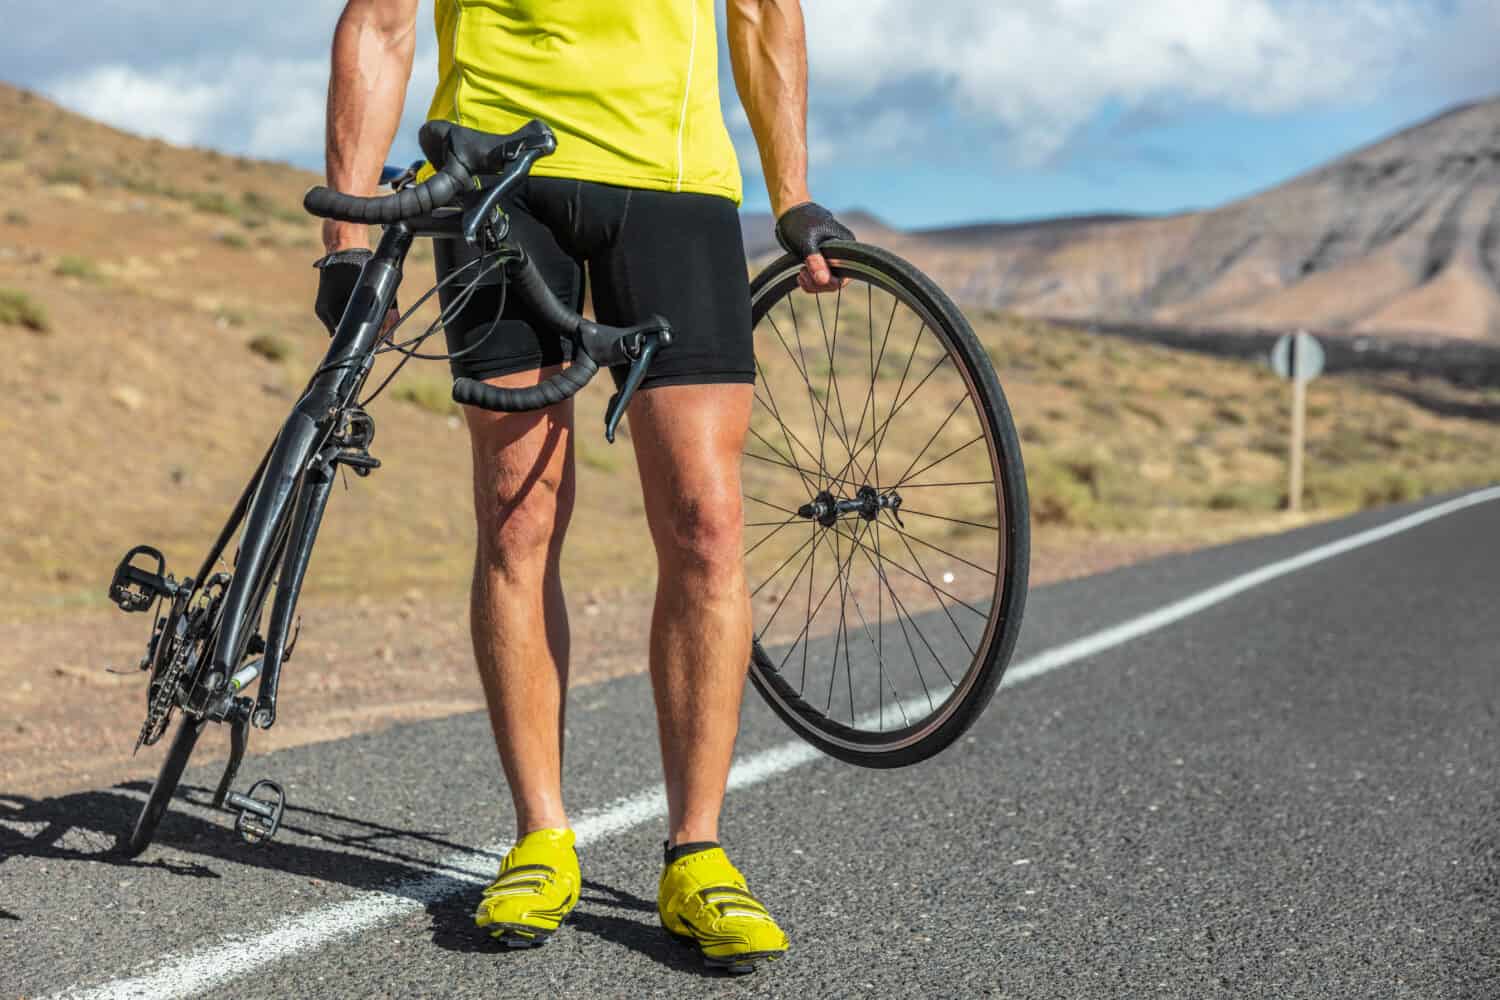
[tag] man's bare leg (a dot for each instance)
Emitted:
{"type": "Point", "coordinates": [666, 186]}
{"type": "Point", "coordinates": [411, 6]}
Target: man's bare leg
{"type": "Point", "coordinates": [688, 441]}
{"type": "Point", "coordinates": [523, 499]}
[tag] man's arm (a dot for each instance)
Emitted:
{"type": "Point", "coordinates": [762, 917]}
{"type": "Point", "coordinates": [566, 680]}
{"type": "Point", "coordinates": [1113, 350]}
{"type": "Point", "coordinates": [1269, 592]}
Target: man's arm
{"type": "Point", "coordinates": [768, 50]}
{"type": "Point", "coordinates": [373, 47]}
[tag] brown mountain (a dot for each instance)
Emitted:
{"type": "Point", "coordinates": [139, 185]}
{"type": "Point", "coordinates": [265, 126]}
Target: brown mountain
{"type": "Point", "coordinates": [1400, 237]}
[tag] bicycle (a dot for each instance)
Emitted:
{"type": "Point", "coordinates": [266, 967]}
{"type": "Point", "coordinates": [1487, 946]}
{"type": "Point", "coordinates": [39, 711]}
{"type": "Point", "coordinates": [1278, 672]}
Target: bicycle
{"type": "Point", "coordinates": [213, 635]}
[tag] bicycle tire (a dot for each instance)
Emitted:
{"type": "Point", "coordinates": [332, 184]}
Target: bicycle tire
{"type": "Point", "coordinates": [855, 741]}
{"type": "Point", "coordinates": [146, 822]}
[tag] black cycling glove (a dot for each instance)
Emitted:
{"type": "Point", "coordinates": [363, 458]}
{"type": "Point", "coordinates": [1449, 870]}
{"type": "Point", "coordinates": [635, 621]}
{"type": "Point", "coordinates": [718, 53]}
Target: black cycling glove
{"type": "Point", "coordinates": [803, 229]}
{"type": "Point", "coordinates": [337, 275]}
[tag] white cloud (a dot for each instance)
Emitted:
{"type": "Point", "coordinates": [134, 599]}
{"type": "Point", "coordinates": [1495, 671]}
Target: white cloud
{"type": "Point", "coordinates": [1040, 69]}
{"type": "Point", "coordinates": [167, 104]}
{"type": "Point", "coordinates": [252, 85]}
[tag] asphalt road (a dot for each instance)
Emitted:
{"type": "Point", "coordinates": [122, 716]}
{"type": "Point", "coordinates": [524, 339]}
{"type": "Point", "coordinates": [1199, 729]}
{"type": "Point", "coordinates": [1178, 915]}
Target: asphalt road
{"type": "Point", "coordinates": [1289, 793]}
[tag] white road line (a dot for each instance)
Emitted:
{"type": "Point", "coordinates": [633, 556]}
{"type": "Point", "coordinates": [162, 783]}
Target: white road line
{"type": "Point", "coordinates": [206, 967]}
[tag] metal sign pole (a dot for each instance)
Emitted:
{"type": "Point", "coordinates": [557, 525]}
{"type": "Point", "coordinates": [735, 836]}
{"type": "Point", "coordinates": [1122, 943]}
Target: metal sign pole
{"type": "Point", "coordinates": [1299, 432]}
{"type": "Point", "coordinates": [1299, 357]}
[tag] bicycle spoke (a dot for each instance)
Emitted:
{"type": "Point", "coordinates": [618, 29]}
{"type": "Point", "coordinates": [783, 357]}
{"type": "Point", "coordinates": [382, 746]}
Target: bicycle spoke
{"type": "Point", "coordinates": [767, 503]}
{"type": "Point", "coordinates": [915, 576]}
{"type": "Point", "coordinates": [788, 460]}
{"type": "Point", "coordinates": [932, 465]}
{"type": "Point", "coordinates": [951, 555]}
{"type": "Point", "coordinates": [876, 640]}
{"type": "Point", "coordinates": [800, 368]}
{"type": "Point", "coordinates": [928, 580]}
{"type": "Point", "coordinates": [774, 575]}
{"type": "Point", "coordinates": [954, 520]}
{"type": "Point", "coordinates": [808, 626]}
{"type": "Point", "coordinates": [877, 437]}
{"type": "Point", "coordinates": [918, 457]}
{"type": "Point", "coordinates": [764, 524]}
{"type": "Point", "coordinates": [790, 587]}
{"type": "Point", "coordinates": [871, 404]}
{"type": "Point", "coordinates": [900, 608]}
{"type": "Point", "coordinates": [972, 482]}
{"type": "Point", "coordinates": [785, 431]}
{"type": "Point", "coordinates": [833, 373]}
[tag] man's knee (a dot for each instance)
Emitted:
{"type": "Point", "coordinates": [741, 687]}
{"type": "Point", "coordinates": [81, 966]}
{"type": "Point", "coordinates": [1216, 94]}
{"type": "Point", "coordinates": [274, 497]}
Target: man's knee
{"type": "Point", "coordinates": [703, 539]}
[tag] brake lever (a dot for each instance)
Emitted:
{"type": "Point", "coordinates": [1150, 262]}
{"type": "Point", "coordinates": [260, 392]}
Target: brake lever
{"type": "Point", "coordinates": [640, 362]}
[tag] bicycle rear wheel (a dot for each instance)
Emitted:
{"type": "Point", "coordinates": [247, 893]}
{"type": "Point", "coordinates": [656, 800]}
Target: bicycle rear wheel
{"type": "Point", "coordinates": [188, 730]}
{"type": "Point", "coordinates": [191, 726]}
{"type": "Point", "coordinates": [887, 538]}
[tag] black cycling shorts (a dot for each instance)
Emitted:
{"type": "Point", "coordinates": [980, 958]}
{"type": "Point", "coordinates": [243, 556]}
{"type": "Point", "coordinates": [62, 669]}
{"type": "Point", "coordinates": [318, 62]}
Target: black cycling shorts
{"type": "Point", "coordinates": [677, 254]}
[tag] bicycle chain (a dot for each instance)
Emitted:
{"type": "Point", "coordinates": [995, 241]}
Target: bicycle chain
{"type": "Point", "coordinates": [159, 703]}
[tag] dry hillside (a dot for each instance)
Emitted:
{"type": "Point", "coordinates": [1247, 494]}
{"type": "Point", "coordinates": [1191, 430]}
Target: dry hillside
{"type": "Point", "coordinates": [155, 320]}
{"type": "Point", "coordinates": [1400, 237]}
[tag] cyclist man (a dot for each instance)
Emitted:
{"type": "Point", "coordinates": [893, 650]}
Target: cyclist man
{"type": "Point", "coordinates": [640, 198]}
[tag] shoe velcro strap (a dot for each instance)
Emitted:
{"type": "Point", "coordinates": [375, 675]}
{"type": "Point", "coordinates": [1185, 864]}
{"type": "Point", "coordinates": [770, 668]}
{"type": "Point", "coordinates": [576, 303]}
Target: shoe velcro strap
{"type": "Point", "coordinates": [720, 895]}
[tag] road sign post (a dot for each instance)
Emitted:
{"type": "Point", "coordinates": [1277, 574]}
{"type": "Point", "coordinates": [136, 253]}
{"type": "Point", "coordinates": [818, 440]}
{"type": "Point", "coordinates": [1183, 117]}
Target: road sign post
{"type": "Point", "coordinates": [1299, 357]}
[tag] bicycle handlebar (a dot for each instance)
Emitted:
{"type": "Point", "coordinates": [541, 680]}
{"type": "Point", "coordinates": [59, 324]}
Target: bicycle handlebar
{"type": "Point", "coordinates": [408, 203]}
{"type": "Point", "coordinates": [465, 154]}
{"type": "Point", "coordinates": [593, 345]}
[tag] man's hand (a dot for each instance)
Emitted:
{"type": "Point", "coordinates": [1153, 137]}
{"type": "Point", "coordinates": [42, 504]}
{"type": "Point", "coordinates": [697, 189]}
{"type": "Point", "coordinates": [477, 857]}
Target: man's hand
{"type": "Point", "coordinates": [802, 230]}
{"type": "Point", "coordinates": [337, 275]}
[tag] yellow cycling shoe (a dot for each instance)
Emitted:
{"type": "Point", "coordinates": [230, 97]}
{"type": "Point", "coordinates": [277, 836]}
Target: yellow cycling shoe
{"type": "Point", "coordinates": [535, 891]}
{"type": "Point", "coordinates": [703, 900]}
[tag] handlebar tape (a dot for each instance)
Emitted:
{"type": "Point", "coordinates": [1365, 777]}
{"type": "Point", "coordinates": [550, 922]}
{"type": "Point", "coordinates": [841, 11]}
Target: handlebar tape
{"type": "Point", "coordinates": [409, 203]}
{"type": "Point", "coordinates": [554, 390]}
{"type": "Point", "coordinates": [543, 308]}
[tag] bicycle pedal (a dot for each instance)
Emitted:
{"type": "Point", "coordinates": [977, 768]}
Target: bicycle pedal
{"type": "Point", "coordinates": [259, 818]}
{"type": "Point", "coordinates": [135, 588]}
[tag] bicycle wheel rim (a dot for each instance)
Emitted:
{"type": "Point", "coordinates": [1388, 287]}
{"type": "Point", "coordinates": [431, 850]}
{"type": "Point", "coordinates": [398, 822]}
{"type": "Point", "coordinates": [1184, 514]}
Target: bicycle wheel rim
{"type": "Point", "coordinates": [860, 738]}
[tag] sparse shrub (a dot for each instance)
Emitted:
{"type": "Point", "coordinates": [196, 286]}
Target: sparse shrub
{"type": "Point", "coordinates": [235, 240]}
{"type": "Point", "coordinates": [19, 309]}
{"type": "Point", "coordinates": [1227, 414]}
{"type": "Point", "coordinates": [73, 266]}
{"type": "Point", "coordinates": [68, 173]}
{"type": "Point", "coordinates": [212, 202]}
{"type": "Point", "coordinates": [1248, 496]}
{"type": "Point", "coordinates": [1033, 433]}
{"type": "Point", "coordinates": [15, 217]}
{"type": "Point", "coordinates": [271, 346]}
{"type": "Point", "coordinates": [434, 395]}
{"type": "Point", "coordinates": [1106, 408]}
{"type": "Point", "coordinates": [1365, 485]}
{"type": "Point", "coordinates": [1057, 495]}
{"type": "Point", "coordinates": [1145, 412]}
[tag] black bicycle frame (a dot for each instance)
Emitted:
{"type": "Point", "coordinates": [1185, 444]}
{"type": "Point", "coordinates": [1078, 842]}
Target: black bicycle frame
{"type": "Point", "coordinates": [292, 458]}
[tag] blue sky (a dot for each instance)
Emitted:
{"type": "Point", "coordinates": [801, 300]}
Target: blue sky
{"type": "Point", "coordinates": [925, 113]}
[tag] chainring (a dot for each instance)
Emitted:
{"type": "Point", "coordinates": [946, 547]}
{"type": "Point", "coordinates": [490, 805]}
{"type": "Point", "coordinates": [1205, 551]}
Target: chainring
{"type": "Point", "coordinates": [178, 650]}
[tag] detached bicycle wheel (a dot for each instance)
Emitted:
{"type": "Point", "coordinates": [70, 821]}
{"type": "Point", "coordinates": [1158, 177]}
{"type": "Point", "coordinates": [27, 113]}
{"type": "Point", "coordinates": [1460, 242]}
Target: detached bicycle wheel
{"type": "Point", "coordinates": [886, 529]}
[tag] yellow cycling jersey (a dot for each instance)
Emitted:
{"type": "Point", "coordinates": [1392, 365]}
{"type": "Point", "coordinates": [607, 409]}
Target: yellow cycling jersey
{"type": "Point", "coordinates": [631, 87]}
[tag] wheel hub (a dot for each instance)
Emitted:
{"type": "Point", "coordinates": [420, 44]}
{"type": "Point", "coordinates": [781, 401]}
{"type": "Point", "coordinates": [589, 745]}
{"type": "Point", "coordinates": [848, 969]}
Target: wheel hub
{"type": "Point", "coordinates": [867, 502]}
